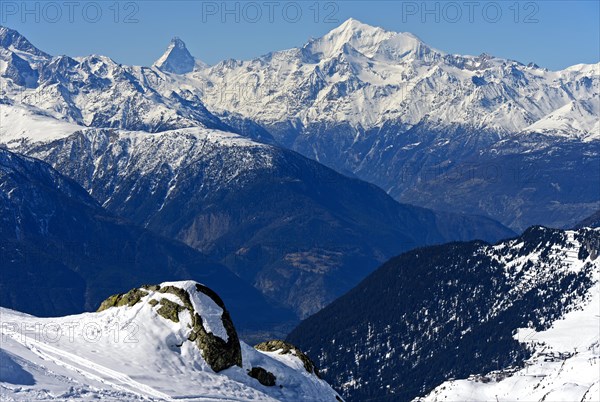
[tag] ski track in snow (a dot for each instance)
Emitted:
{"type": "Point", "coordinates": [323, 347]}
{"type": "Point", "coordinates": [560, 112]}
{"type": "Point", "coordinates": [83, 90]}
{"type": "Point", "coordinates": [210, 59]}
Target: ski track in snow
{"type": "Point", "coordinates": [85, 367]}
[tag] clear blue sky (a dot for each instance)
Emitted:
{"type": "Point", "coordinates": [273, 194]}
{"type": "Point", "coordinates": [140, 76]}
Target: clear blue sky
{"type": "Point", "coordinates": [553, 34]}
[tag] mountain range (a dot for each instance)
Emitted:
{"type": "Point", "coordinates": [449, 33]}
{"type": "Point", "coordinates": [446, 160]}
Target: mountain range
{"type": "Point", "coordinates": [60, 245]}
{"type": "Point", "coordinates": [430, 128]}
{"type": "Point", "coordinates": [284, 182]}
{"type": "Point", "coordinates": [296, 230]}
{"type": "Point", "coordinates": [475, 134]}
{"type": "Point", "coordinates": [299, 232]}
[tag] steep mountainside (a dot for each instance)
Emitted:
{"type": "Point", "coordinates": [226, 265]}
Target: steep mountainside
{"type": "Point", "coordinates": [563, 365]}
{"type": "Point", "coordinates": [450, 311]}
{"type": "Point", "coordinates": [173, 341]}
{"type": "Point", "coordinates": [526, 180]}
{"type": "Point", "coordinates": [61, 252]}
{"type": "Point", "coordinates": [299, 232]}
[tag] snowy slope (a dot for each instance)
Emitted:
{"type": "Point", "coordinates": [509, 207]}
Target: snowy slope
{"type": "Point", "coordinates": [21, 123]}
{"type": "Point", "coordinates": [576, 118]}
{"type": "Point", "coordinates": [135, 352]}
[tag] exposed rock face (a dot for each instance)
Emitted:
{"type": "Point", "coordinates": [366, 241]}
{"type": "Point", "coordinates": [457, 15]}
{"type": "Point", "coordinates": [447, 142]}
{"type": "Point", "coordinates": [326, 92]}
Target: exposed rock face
{"type": "Point", "coordinates": [205, 332]}
{"type": "Point", "coordinates": [263, 376]}
{"type": "Point", "coordinates": [169, 310]}
{"type": "Point", "coordinates": [130, 299]}
{"type": "Point", "coordinates": [285, 348]}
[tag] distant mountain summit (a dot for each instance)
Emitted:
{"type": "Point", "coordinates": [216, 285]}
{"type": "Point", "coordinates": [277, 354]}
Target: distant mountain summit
{"type": "Point", "coordinates": [176, 59]}
{"type": "Point", "coordinates": [369, 41]}
{"type": "Point", "coordinates": [13, 40]}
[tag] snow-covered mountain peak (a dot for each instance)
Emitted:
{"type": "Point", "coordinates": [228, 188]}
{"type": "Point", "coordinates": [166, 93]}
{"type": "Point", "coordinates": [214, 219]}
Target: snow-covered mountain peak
{"type": "Point", "coordinates": [176, 59]}
{"type": "Point", "coordinates": [355, 29]}
{"type": "Point", "coordinates": [370, 41]}
{"type": "Point", "coordinates": [177, 42]}
{"type": "Point", "coordinates": [366, 77]}
{"type": "Point", "coordinates": [19, 59]}
{"type": "Point", "coordinates": [362, 37]}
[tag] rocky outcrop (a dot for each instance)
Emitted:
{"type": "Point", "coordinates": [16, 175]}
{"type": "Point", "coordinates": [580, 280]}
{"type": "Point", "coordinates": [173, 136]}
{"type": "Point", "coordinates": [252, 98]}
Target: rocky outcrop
{"type": "Point", "coordinates": [285, 348]}
{"type": "Point", "coordinates": [263, 376]}
{"type": "Point", "coordinates": [130, 299]}
{"type": "Point", "coordinates": [218, 353]}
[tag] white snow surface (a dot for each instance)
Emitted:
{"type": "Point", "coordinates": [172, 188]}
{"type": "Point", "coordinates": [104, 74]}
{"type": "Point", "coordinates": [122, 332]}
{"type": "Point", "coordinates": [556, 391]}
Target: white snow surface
{"type": "Point", "coordinates": [565, 364]}
{"type": "Point", "coordinates": [132, 353]}
{"type": "Point", "coordinates": [22, 122]}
